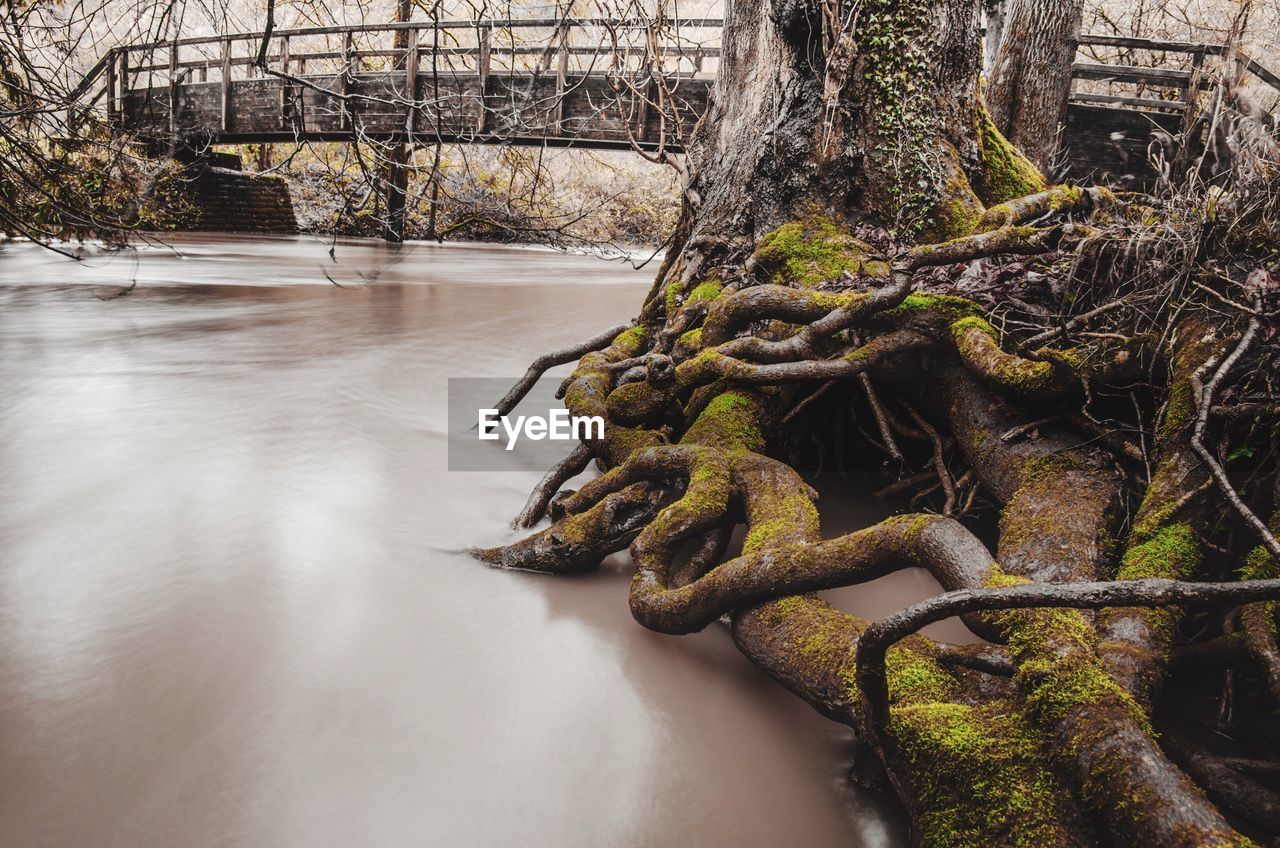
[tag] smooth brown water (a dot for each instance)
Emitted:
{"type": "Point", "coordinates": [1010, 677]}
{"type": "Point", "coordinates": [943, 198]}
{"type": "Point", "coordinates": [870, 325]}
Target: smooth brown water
{"type": "Point", "coordinates": [231, 608]}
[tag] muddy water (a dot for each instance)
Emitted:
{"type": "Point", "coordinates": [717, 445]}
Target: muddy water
{"type": "Point", "coordinates": [231, 608]}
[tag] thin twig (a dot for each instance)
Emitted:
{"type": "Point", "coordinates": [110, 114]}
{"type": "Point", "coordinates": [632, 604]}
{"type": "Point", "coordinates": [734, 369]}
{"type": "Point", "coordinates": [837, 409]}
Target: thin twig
{"type": "Point", "coordinates": [1204, 403]}
{"type": "Point", "coordinates": [939, 460]}
{"type": "Point", "coordinates": [882, 421]}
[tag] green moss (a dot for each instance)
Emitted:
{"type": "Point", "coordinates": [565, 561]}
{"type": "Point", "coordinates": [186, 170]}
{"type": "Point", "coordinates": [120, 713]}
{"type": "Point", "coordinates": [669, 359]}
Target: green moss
{"type": "Point", "coordinates": [818, 648]}
{"type": "Point", "coordinates": [1170, 552]}
{"type": "Point", "coordinates": [913, 525]}
{"type": "Point", "coordinates": [1042, 481]}
{"type": "Point", "coordinates": [1179, 411]}
{"type": "Point", "coordinates": [977, 343]}
{"type": "Point", "coordinates": [630, 396]}
{"type": "Point", "coordinates": [978, 772]}
{"type": "Point", "coordinates": [675, 288]}
{"type": "Point", "coordinates": [1071, 357]}
{"type": "Point", "coordinates": [813, 251]}
{"type": "Point", "coordinates": [732, 420]}
{"type": "Point", "coordinates": [776, 612]}
{"type": "Point", "coordinates": [776, 517]}
{"type": "Point", "coordinates": [692, 339]}
{"type": "Point", "coordinates": [972, 322]}
{"type": "Point", "coordinates": [915, 678]}
{"type": "Point", "coordinates": [1006, 173]}
{"type": "Point", "coordinates": [957, 213]}
{"type": "Point", "coordinates": [1259, 565]}
{"type": "Point", "coordinates": [947, 307]}
{"type": "Point", "coordinates": [708, 290]}
{"type": "Point", "coordinates": [631, 342]}
{"type": "Point", "coordinates": [1058, 669]}
{"type": "Point", "coordinates": [1065, 197]}
{"type": "Point", "coordinates": [979, 776]}
{"type": "Point", "coordinates": [706, 495]}
{"type": "Point", "coordinates": [979, 439]}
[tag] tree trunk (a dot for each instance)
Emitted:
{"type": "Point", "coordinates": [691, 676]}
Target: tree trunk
{"type": "Point", "coordinates": [995, 11]}
{"type": "Point", "coordinates": [1031, 76]}
{"type": "Point", "coordinates": [400, 153]}
{"type": "Point", "coordinates": [847, 173]}
{"type": "Point", "coordinates": [883, 125]}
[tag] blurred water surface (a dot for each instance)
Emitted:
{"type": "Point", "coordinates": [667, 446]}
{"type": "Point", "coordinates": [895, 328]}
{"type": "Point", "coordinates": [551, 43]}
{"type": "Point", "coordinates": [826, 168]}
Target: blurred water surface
{"type": "Point", "coordinates": [232, 607]}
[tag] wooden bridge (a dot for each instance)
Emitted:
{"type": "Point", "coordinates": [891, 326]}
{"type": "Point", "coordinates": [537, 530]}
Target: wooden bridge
{"type": "Point", "coordinates": [1151, 97]}
{"type": "Point", "coordinates": [561, 82]}
{"type": "Point", "coordinates": [591, 83]}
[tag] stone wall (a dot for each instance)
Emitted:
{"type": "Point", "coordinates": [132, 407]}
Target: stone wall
{"type": "Point", "coordinates": [232, 201]}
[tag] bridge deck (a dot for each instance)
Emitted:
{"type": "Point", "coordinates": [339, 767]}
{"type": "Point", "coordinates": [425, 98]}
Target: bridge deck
{"type": "Point", "coordinates": [581, 110]}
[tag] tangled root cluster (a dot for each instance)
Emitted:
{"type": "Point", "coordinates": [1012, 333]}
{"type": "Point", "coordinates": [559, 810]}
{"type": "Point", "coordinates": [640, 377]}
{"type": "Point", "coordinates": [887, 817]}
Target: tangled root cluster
{"type": "Point", "coordinates": [1072, 412]}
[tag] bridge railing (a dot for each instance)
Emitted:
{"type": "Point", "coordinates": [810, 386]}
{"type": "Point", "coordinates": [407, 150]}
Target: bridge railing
{"type": "Point", "coordinates": [1154, 85]}
{"type": "Point", "coordinates": [1128, 92]}
{"type": "Point", "coordinates": [560, 48]}
{"type": "Point", "coordinates": [687, 47]}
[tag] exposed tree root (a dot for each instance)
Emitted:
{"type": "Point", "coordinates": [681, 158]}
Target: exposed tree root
{"type": "Point", "coordinates": [1044, 735]}
{"type": "Point", "coordinates": [548, 361]}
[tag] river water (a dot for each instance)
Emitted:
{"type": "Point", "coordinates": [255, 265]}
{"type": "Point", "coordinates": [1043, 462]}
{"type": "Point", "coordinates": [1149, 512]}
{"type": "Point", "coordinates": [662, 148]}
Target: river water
{"type": "Point", "coordinates": [232, 607]}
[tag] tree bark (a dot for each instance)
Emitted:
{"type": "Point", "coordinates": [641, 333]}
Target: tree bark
{"type": "Point", "coordinates": [1030, 79]}
{"type": "Point", "coordinates": [885, 126]}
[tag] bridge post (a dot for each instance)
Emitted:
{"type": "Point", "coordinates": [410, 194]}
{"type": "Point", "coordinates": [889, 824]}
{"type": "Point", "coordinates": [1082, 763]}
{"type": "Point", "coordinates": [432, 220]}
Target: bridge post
{"type": "Point", "coordinates": [124, 79]}
{"type": "Point", "coordinates": [483, 58]}
{"type": "Point", "coordinates": [173, 89]}
{"type": "Point", "coordinates": [411, 83]}
{"type": "Point", "coordinates": [1190, 114]}
{"type": "Point", "coordinates": [223, 121]}
{"type": "Point", "coordinates": [562, 74]}
{"type": "Point", "coordinates": [345, 117]}
{"type": "Point", "coordinates": [111, 90]}
{"type": "Point", "coordinates": [286, 88]}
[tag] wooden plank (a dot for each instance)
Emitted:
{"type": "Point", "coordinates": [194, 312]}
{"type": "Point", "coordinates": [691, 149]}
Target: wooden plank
{"type": "Point", "coordinates": [1136, 102]}
{"type": "Point", "coordinates": [1260, 72]}
{"type": "Point", "coordinates": [124, 72]}
{"type": "Point", "coordinates": [1129, 73]}
{"type": "Point", "coordinates": [91, 76]}
{"type": "Point", "coordinates": [470, 23]}
{"type": "Point", "coordinates": [1105, 121]}
{"type": "Point", "coordinates": [1150, 44]}
{"type": "Point", "coordinates": [455, 52]}
{"type": "Point", "coordinates": [1191, 107]}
